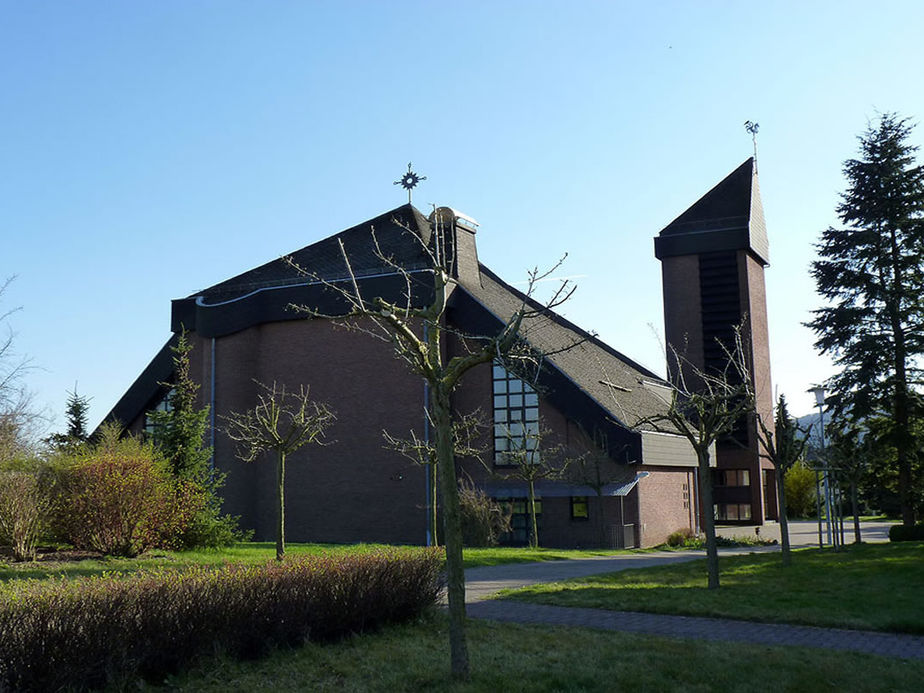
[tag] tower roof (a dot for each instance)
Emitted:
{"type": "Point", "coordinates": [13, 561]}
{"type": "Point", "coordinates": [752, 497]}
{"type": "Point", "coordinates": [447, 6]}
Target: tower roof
{"type": "Point", "coordinates": [728, 217]}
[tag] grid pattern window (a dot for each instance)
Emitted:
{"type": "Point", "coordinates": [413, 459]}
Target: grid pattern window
{"type": "Point", "coordinates": [516, 417]}
{"type": "Point", "coordinates": [733, 477]}
{"type": "Point", "coordinates": [733, 512]}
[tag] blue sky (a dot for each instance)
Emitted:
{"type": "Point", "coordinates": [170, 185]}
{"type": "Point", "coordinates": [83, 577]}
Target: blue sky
{"type": "Point", "coordinates": [151, 149]}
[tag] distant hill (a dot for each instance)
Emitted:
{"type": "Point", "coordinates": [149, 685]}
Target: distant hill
{"type": "Point", "coordinates": [811, 421]}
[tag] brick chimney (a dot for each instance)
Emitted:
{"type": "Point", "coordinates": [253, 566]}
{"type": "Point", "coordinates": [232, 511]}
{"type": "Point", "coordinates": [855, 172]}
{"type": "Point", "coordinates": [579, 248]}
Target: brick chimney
{"type": "Point", "coordinates": [454, 234]}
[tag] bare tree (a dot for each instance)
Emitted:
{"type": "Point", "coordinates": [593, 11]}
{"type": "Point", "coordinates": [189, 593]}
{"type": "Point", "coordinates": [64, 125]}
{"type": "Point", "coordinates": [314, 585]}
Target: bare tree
{"type": "Point", "coordinates": [528, 458]}
{"type": "Point", "coordinates": [416, 333]}
{"type": "Point", "coordinates": [19, 420]}
{"type": "Point", "coordinates": [705, 406]}
{"type": "Point", "coordinates": [465, 433]}
{"type": "Point", "coordinates": [783, 446]}
{"type": "Point", "coordinates": [849, 449]}
{"type": "Point", "coordinates": [281, 422]}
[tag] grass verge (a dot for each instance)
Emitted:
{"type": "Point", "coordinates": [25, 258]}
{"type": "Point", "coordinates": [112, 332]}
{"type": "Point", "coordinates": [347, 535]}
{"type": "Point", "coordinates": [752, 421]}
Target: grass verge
{"type": "Point", "coordinates": [507, 657]}
{"type": "Point", "coordinates": [876, 587]}
{"type": "Point", "coordinates": [253, 553]}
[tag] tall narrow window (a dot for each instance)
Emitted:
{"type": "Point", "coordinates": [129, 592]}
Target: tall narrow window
{"type": "Point", "coordinates": [162, 405]}
{"type": "Point", "coordinates": [516, 417]}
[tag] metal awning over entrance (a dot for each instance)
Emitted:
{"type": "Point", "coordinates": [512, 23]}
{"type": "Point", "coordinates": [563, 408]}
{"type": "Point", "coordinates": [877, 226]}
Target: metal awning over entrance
{"type": "Point", "coordinates": [558, 489]}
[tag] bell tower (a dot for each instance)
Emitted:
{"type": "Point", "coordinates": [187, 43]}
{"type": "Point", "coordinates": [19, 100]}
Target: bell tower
{"type": "Point", "coordinates": [712, 268]}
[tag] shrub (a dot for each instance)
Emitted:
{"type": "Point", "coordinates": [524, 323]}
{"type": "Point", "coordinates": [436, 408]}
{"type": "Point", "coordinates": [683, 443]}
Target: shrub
{"type": "Point", "coordinates": [906, 532]}
{"type": "Point", "coordinates": [24, 508]}
{"type": "Point", "coordinates": [483, 520]}
{"type": "Point", "coordinates": [98, 631]}
{"type": "Point", "coordinates": [119, 498]}
{"type": "Point", "coordinates": [680, 537]}
{"type": "Point", "coordinates": [800, 491]}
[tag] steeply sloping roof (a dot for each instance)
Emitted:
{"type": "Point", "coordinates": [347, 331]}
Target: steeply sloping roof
{"type": "Point", "coordinates": [593, 384]}
{"type": "Point", "coordinates": [147, 386]}
{"type": "Point", "coordinates": [325, 259]}
{"type": "Point", "coordinates": [728, 217]}
{"type": "Point", "coordinates": [596, 384]}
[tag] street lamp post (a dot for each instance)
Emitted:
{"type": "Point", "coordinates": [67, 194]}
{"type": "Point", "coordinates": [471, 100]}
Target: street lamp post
{"type": "Point", "coordinates": [819, 392]}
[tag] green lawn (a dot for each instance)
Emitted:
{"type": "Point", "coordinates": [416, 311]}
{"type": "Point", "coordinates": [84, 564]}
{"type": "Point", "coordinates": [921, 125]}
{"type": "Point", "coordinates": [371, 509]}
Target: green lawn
{"type": "Point", "coordinates": [868, 587]}
{"type": "Point", "coordinates": [510, 658]}
{"type": "Point", "coordinates": [259, 552]}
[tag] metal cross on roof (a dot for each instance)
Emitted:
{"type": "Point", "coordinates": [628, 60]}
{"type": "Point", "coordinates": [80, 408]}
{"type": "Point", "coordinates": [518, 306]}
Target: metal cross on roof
{"type": "Point", "coordinates": [752, 128]}
{"type": "Point", "coordinates": [409, 181]}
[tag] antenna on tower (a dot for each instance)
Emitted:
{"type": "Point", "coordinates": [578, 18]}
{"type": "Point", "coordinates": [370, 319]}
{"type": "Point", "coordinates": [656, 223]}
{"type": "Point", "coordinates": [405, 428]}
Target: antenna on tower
{"type": "Point", "coordinates": [752, 128]}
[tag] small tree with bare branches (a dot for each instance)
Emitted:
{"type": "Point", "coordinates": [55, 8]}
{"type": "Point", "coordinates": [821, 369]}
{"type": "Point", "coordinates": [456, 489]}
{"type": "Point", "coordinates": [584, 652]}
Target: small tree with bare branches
{"type": "Point", "coordinates": [704, 407]}
{"type": "Point", "coordinates": [417, 334]}
{"type": "Point", "coordinates": [850, 448]}
{"type": "Point", "coordinates": [783, 446]}
{"type": "Point", "coordinates": [531, 459]}
{"type": "Point", "coordinates": [281, 422]}
{"type": "Point", "coordinates": [465, 433]}
{"type": "Point", "coordinates": [19, 420]}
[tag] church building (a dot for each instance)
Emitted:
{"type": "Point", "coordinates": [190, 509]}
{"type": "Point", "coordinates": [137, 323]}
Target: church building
{"type": "Point", "coordinates": [590, 398]}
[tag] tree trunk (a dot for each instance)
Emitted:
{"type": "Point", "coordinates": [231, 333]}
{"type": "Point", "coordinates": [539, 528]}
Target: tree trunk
{"type": "Point", "coordinates": [452, 531]}
{"type": "Point", "coordinates": [281, 508]}
{"type": "Point", "coordinates": [708, 512]}
{"type": "Point", "coordinates": [901, 399]}
{"type": "Point", "coordinates": [784, 521]}
{"type": "Point", "coordinates": [855, 504]}
{"type": "Point", "coordinates": [434, 525]}
{"type": "Point", "coordinates": [533, 525]}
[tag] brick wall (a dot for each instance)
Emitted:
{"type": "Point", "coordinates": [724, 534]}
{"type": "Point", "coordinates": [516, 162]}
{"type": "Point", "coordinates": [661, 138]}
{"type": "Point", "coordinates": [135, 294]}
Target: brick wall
{"type": "Point", "coordinates": [352, 489]}
{"type": "Point", "coordinates": [662, 507]}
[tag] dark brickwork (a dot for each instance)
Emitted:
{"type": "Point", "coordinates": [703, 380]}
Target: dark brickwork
{"type": "Point", "coordinates": [713, 280]}
{"type": "Point", "coordinates": [352, 489]}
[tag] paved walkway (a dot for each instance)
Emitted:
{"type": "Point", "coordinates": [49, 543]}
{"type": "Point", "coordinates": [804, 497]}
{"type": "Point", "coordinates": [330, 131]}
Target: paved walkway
{"type": "Point", "coordinates": [483, 582]}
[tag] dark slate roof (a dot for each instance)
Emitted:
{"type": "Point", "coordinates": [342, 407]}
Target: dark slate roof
{"type": "Point", "coordinates": [146, 388]}
{"type": "Point", "coordinates": [325, 259]}
{"type": "Point", "coordinates": [594, 383]}
{"type": "Point", "coordinates": [728, 217]}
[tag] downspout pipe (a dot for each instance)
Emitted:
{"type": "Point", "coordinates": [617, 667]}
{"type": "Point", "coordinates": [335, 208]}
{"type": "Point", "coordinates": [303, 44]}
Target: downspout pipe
{"type": "Point", "coordinates": [212, 407]}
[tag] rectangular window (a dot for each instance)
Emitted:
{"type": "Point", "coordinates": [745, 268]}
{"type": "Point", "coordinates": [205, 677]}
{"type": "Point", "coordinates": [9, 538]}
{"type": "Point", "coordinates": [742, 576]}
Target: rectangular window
{"type": "Point", "coordinates": [733, 512]}
{"type": "Point", "coordinates": [516, 419]}
{"type": "Point", "coordinates": [733, 477]}
{"type": "Point", "coordinates": [579, 510]}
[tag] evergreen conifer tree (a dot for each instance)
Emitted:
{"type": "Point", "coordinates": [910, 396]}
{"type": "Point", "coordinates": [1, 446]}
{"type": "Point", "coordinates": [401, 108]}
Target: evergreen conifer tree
{"type": "Point", "coordinates": [76, 414]}
{"type": "Point", "coordinates": [871, 275]}
{"type": "Point", "coordinates": [179, 435]}
{"type": "Point", "coordinates": [179, 430]}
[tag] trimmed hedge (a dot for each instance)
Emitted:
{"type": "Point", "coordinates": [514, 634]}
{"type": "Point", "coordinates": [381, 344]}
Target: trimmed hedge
{"type": "Point", "coordinates": [88, 633]}
{"type": "Point", "coordinates": [906, 532]}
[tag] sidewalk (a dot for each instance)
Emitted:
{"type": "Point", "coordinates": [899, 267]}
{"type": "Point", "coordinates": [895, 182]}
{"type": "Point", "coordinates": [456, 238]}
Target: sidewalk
{"type": "Point", "coordinates": [481, 583]}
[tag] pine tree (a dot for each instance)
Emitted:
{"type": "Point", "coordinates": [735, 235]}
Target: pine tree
{"type": "Point", "coordinates": [871, 275]}
{"type": "Point", "coordinates": [179, 431]}
{"type": "Point", "coordinates": [179, 435]}
{"type": "Point", "coordinates": [76, 413]}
